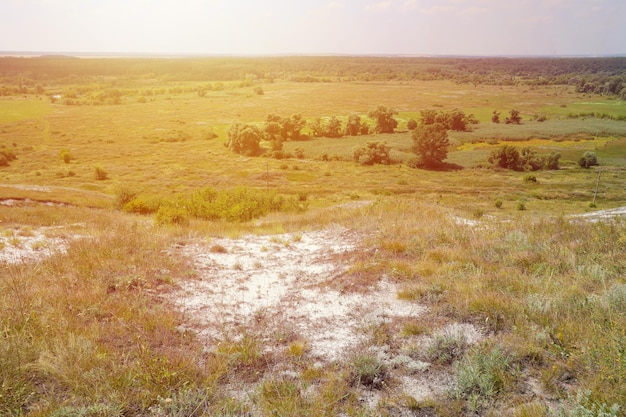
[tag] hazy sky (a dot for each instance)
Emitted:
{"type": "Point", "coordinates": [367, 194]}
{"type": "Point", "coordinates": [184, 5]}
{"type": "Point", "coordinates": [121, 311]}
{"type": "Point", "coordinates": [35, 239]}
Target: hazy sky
{"type": "Point", "coordinates": [467, 27]}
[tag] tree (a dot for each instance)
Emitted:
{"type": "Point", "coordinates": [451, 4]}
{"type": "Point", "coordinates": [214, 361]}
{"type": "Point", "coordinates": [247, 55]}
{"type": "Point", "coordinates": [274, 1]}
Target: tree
{"type": "Point", "coordinates": [451, 120]}
{"type": "Point", "coordinates": [495, 117]}
{"type": "Point", "coordinates": [288, 128]}
{"type": "Point", "coordinates": [428, 116]}
{"type": "Point", "coordinates": [430, 143]}
{"type": "Point", "coordinates": [244, 139]}
{"type": "Point", "coordinates": [385, 123]}
{"type": "Point", "coordinates": [411, 124]}
{"type": "Point", "coordinates": [588, 160]}
{"type": "Point", "coordinates": [353, 125]}
{"type": "Point", "coordinates": [514, 119]}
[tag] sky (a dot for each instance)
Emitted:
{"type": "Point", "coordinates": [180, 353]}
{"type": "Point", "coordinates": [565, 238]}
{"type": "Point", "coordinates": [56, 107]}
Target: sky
{"type": "Point", "coordinates": [274, 27]}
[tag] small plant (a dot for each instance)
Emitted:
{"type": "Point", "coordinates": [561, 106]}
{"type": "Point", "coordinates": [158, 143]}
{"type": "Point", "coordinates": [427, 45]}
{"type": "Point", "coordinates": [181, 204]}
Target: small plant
{"type": "Point", "coordinates": [66, 155]}
{"type": "Point", "coordinates": [367, 370]}
{"type": "Point", "coordinates": [521, 206]}
{"type": "Point", "coordinates": [446, 347]}
{"type": "Point", "coordinates": [498, 204]}
{"type": "Point", "coordinates": [529, 178]}
{"type": "Point", "coordinates": [297, 348]}
{"type": "Point", "coordinates": [482, 376]}
{"type": "Point", "coordinates": [218, 249]}
{"type": "Point", "coordinates": [586, 408]}
{"type": "Point", "coordinates": [124, 195]}
{"type": "Point", "coordinates": [100, 173]}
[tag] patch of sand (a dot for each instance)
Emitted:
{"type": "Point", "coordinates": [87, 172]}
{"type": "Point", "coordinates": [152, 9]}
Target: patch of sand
{"type": "Point", "coordinates": [281, 278]}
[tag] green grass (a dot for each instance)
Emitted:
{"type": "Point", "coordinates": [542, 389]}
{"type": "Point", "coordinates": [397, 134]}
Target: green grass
{"type": "Point", "coordinates": [15, 110]}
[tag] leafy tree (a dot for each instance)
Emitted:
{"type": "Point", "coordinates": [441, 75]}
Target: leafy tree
{"type": "Point", "coordinates": [452, 120]}
{"type": "Point", "coordinates": [514, 118]}
{"type": "Point", "coordinates": [292, 127]}
{"type": "Point", "coordinates": [385, 123]}
{"type": "Point", "coordinates": [244, 139]}
{"type": "Point", "coordinates": [411, 124]}
{"type": "Point", "coordinates": [354, 125]}
{"type": "Point", "coordinates": [373, 153]}
{"type": "Point", "coordinates": [329, 129]}
{"type": "Point", "coordinates": [495, 117]}
{"type": "Point", "coordinates": [288, 128]}
{"type": "Point", "coordinates": [588, 160]}
{"type": "Point", "coordinates": [430, 143]}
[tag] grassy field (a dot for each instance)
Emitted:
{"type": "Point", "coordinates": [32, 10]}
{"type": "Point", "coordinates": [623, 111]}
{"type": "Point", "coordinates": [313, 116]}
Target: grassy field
{"type": "Point", "coordinates": [86, 331]}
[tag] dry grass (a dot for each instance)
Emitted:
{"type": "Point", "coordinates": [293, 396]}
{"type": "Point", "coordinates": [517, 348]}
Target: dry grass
{"type": "Point", "coordinates": [86, 331]}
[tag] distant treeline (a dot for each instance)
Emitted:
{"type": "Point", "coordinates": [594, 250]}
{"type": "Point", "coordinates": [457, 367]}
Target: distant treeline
{"type": "Point", "coordinates": [594, 75]}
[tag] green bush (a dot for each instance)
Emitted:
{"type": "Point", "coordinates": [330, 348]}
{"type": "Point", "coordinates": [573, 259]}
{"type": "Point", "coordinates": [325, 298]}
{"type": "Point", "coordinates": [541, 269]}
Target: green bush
{"type": "Point", "coordinates": [124, 195]}
{"type": "Point", "coordinates": [372, 153]}
{"type": "Point", "coordinates": [238, 204]}
{"type": "Point", "coordinates": [588, 160]}
{"type": "Point", "coordinates": [167, 215]}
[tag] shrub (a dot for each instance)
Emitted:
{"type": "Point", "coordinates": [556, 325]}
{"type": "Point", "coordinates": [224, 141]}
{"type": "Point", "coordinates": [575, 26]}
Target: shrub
{"type": "Point", "coordinates": [367, 370]}
{"type": "Point", "coordinates": [514, 118]}
{"type": "Point", "coordinates": [373, 153]}
{"type": "Point", "coordinates": [482, 375]}
{"type": "Point", "coordinates": [100, 173]}
{"type": "Point", "coordinates": [498, 203]}
{"type": "Point", "coordinates": [588, 160]}
{"type": "Point", "coordinates": [586, 408]}
{"type": "Point", "coordinates": [123, 195]}
{"type": "Point", "coordinates": [495, 117]}
{"type": "Point", "coordinates": [507, 156]}
{"type": "Point", "coordinates": [66, 155]}
{"type": "Point", "coordinates": [411, 124]}
{"type": "Point", "coordinates": [6, 156]}
{"type": "Point", "coordinates": [172, 215]}
{"type": "Point", "coordinates": [446, 347]}
{"type": "Point", "coordinates": [552, 160]}
{"type": "Point", "coordinates": [530, 178]}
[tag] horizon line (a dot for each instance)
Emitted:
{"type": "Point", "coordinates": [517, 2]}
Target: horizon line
{"type": "Point", "coordinates": [87, 54]}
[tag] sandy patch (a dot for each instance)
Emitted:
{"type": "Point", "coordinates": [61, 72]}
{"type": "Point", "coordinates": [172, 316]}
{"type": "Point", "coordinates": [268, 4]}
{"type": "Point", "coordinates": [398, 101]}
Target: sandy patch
{"type": "Point", "coordinates": [601, 215]}
{"type": "Point", "coordinates": [25, 244]}
{"type": "Point", "coordinates": [281, 280]}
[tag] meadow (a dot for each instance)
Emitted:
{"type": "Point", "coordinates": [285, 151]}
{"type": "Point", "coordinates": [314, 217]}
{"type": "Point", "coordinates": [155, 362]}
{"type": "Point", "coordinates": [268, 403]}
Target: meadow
{"type": "Point", "coordinates": [125, 159]}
